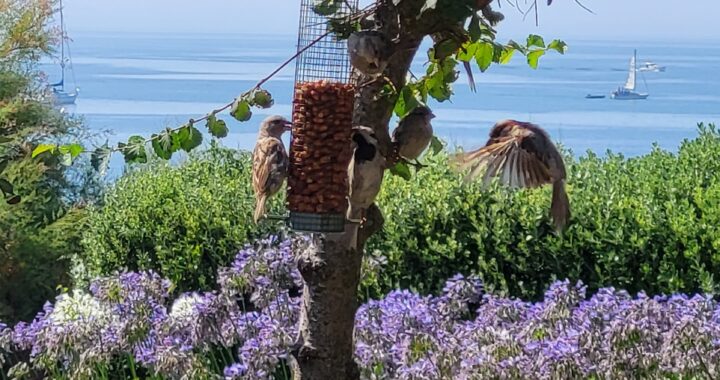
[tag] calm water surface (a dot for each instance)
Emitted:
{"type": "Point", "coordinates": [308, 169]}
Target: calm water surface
{"type": "Point", "coordinates": [139, 84]}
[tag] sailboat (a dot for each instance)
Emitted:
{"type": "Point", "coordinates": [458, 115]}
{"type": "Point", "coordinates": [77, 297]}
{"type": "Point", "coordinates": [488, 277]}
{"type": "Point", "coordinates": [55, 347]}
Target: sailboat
{"type": "Point", "coordinates": [627, 92]}
{"type": "Point", "coordinates": [60, 96]}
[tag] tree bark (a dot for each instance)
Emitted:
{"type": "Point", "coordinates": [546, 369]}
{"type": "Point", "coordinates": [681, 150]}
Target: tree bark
{"type": "Point", "coordinates": [330, 265]}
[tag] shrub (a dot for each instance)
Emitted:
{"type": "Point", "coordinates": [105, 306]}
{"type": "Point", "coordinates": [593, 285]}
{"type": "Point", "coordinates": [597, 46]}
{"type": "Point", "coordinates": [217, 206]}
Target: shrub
{"type": "Point", "coordinates": [128, 324]}
{"type": "Point", "coordinates": [182, 221]}
{"type": "Point", "coordinates": [647, 223]}
{"type": "Point", "coordinates": [39, 233]}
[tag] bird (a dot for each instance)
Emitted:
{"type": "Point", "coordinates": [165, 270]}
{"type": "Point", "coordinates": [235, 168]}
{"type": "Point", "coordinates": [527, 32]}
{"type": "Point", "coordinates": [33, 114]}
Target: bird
{"type": "Point", "coordinates": [413, 134]}
{"type": "Point", "coordinates": [369, 51]}
{"type": "Point", "coordinates": [270, 162]}
{"type": "Point", "coordinates": [365, 174]}
{"type": "Point", "coordinates": [522, 155]}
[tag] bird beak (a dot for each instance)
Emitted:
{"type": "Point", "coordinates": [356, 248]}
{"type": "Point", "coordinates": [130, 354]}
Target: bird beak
{"type": "Point", "coordinates": [432, 115]}
{"type": "Point", "coordinates": [288, 126]}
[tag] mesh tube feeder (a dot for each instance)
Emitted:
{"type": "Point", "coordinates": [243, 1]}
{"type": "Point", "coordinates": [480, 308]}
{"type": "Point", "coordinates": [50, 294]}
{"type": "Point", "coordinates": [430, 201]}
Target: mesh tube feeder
{"type": "Point", "coordinates": [320, 145]}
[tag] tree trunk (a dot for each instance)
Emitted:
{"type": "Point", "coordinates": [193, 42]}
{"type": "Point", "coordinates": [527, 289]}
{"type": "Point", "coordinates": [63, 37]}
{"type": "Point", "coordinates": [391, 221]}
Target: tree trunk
{"type": "Point", "coordinates": [330, 266]}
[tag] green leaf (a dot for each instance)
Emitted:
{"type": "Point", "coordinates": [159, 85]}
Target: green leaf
{"type": "Point", "coordinates": [558, 45]}
{"type": "Point", "coordinates": [262, 99]}
{"type": "Point", "coordinates": [406, 102]}
{"type": "Point", "coordinates": [506, 55]}
{"type": "Point", "coordinates": [100, 159]}
{"type": "Point", "coordinates": [6, 187]}
{"type": "Point", "coordinates": [484, 55]}
{"type": "Point", "coordinates": [533, 57]}
{"type": "Point", "coordinates": [475, 28]}
{"type": "Point", "coordinates": [217, 128]}
{"type": "Point", "coordinates": [193, 139]}
{"type": "Point", "coordinates": [75, 149]}
{"type": "Point", "coordinates": [535, 40]}
{"type": "Point", "coordinates": [326, 7]}
{"type": "Point", "coordinates": [517, 46]}
{"type": "Point", "coordinates": [401, 169]}
{"type": "Point", "coordinates": [13, 199]}
{"type": "Point", "coordinates": [241, 110]}
{"type": "Point", "coordinates": [342, 27]}
{"type": "Point", "coordinates": [439, 78]}
{"type": "Point", "coordinates": [134, 151]}
{"type": "Point", "coordinates": [4, 139]}
{"type": "Point", "coordinates": [3, 165]}
{"type": "Point", "coordinates": [42, 148]}
{"type": "Point", "coordinates": [467, 52]}
{"type": "Point", "coordinates": [444, 49]}
{"type": "Point", "coordinates": [162, 146]}
{"type": "Point", "coordinates": [70, 152]}
{"type": "Point", "coordinates": [436, 146]}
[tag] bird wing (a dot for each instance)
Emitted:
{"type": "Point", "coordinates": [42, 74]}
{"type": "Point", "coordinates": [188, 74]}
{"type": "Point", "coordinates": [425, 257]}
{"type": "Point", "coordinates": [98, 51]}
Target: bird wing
{"type": "Point", "coordinates": [508, 158]}
{"type": "Point", "coordinates": [270, 163]}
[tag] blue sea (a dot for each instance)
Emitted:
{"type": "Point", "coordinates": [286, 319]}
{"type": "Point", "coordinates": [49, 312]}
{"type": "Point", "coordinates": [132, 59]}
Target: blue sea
{"type": "Point", "coordinates": [141, 83]}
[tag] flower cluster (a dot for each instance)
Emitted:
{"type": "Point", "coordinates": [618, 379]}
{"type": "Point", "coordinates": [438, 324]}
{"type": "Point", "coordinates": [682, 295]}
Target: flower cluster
{"type": "Point", "coordinates": [130, 323]}
{"type": "Point", "coordinates": [610, 335]}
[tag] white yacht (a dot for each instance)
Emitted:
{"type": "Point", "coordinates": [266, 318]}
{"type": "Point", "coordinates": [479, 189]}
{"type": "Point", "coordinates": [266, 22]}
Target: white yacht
{"type": "Point", "coordinates": [627, 91]}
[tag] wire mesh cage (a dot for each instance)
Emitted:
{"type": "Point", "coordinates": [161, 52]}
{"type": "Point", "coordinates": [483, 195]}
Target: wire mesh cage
{"type": "Point", "coordinates": [320, 147]}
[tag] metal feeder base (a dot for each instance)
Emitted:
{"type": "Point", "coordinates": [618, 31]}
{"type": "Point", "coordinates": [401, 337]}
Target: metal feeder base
{"type": "Point", "coordinates": [307, 222]}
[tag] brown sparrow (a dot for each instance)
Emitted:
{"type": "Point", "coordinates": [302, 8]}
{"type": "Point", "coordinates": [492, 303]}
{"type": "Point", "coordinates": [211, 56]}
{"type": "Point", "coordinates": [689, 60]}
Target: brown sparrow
{"type": "Point", "coordinates": [270, 162]}
{"type": "Point", "coordinates": [413, 134]}
{"type": "Point", "coordinates": [521, 155]}
{"type": "Point", "coordinates": [369, 51]}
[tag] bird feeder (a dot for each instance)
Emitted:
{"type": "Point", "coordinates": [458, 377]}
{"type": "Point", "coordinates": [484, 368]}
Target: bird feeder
{"type": "Point", "coordinates": [320, 145]}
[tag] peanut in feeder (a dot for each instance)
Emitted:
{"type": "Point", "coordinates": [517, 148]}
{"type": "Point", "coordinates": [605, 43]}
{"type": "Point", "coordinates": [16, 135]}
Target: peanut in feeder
{"type": "Point", "coordinates": [320, 147]}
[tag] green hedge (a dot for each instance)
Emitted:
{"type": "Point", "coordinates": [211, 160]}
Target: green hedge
{"type": "Point", "coordinates": [183, 221]}
{"type": "Point", "coordinates": [648, 223]}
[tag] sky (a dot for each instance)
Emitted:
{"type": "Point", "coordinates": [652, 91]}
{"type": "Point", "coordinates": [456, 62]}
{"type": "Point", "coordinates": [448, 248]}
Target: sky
{"type": "Point", "coordinates": [613, 19]}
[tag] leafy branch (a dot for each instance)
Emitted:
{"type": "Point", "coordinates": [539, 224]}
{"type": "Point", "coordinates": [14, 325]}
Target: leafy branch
{"type": "Point", "coordinates": [185, 137]}
{"type": "Point", "coordinates": [476, 42]}
{"type": "Point", "coordinates": [442, 72]}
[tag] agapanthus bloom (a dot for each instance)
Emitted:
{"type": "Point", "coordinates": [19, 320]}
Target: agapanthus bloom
{"type": "Point", "coordinates": [246, 328]}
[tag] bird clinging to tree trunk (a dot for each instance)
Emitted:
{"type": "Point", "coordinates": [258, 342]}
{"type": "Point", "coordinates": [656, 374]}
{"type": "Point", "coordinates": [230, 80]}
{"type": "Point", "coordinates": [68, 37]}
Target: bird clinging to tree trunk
{"type": "Point", "coordinates": [413, 134]}
{"type": "Point", "coordinates": [369, 51]}
{"type": "Point", "coordinates": [270, 162]}
{"type": "Point", "coordinates": [521, 155]}
{"type": "Point", "coordinates": [365, 173]}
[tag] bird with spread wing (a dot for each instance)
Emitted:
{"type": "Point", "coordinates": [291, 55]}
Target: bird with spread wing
{"type": "Point", "coordinates": [521, 155]}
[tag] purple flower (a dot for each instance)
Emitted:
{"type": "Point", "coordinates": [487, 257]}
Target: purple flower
{"type": "Point", "coordinates": [461, 334]}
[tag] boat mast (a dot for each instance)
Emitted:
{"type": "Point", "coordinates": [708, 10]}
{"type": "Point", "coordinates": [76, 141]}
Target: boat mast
{"type": "Point", "coordinates": [62, 47]}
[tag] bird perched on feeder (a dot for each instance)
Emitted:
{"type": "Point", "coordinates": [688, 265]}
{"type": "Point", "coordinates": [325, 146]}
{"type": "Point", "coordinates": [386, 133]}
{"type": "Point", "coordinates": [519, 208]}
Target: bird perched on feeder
{"type": "Point", "coordinates": [522, 155]}
{"type": "Point", "coordinates": [270, 161]}
{"type": "Point", "coordinates": [365, 172]}
{"type": "Point", "coordinates": [413, 134]}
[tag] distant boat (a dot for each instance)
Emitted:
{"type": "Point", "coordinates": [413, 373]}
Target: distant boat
{"type": "Point", "coordinates": [591, 96]}
{"type": "Point", "coordinates": [60, 96]}
{"type": "Point", "coordinates": [652, 67]}
{"type": "Point", "coordinates": [627, 92]}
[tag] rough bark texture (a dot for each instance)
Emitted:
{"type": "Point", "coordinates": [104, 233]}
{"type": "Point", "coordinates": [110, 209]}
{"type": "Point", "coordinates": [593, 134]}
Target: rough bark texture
{"type": "Point", "coordinates": [330, 266]}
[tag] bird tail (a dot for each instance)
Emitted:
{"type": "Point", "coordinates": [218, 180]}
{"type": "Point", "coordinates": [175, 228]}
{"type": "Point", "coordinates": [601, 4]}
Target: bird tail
{"type": "Point", "coordinates": [560, 206]}
{"type": "Point", "coordinates": [259, 208]}
{"type": "Point", "coordinates": [471, 80]}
